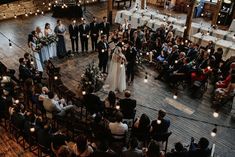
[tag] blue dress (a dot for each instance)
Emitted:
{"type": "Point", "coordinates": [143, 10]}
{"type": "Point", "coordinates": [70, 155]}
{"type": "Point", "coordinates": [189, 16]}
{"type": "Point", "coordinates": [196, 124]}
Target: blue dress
{"type": "Point", "coordinates": [61, 49]}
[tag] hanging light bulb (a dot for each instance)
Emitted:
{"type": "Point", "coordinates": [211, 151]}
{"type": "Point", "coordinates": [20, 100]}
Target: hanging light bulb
{"type": "Point", "coordinates": [185, 27]}
{"type": "Point", "coordinates": [175, 96]}
{"type": "Point", "coordinates": [31, 62]}
{"type": "Point", "coordinates": [146, 78]}
{"type": "Point", "coordinates": [83, 92]}
{"type": "Point", "coordinates": [4, 16]}
{"type": "Point", "coordinates": [187, 6]}
{"type": "Point", "coordinates": [17, 101]}
{"type": "Point", "coordinates": [55, 77]}
{"type": "Point", "coordinates": [216, 114]}
{"type": "Point", "coordinates": [30, 12]}
{"type": "Point", "coordinates": [208, 33]}
{"type": "Point", "coordinates": [186, 41]}
{"type": "Point", "coordinates": [209, 50]}
{"type": "Point", "coordinates": [32, 129]}
{"type": "Point", "coordinates": [117, 107]}
{"type": "Point", "coordinates": [56, 2]}
{"type": "Point", "coordinates": [42, 12]}
{"type": "Point", "coordinates": [121, 64]}
{"type": "Point", "coordinates": [218, 22]}
{"type": "Point", "coordinates": [10, 44]}
{"type": "Point", "coordinates": [159, 121]}
{"type": "Point", "coordinates": [176, 61]}
{"type": "Point", "coordinates": [26, 14]}
{"type": "Point", "coordinates": [147, 53]}
{"type": "Point", "coordinates": [36, 13]}
{"type": "Point", "coordinates": [209, 68]}
{"type": "Point", "coordinates": [202, 14]}
{"type": "Point", "coordinates": [15, 16]}
{"type": "Point", "coordinates": [38, 10]}
{"type": "Point", "coordinates": [214, 131]}
{"type": "Point", "coordinates": [43, 3]}
{"type": "Point", "coordinates": [49, 4]}
{"type": "Point", "coordinates": [4, 78]}
{"type": "Point", "coordinates": [49, 8]}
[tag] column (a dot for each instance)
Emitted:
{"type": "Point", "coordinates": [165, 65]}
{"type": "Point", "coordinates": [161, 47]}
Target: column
{"type": "Point", "coordinates": [142, 4]}
{"type": "Point", "coordinates": [216, 13]}
{"type": "Point", "coordinates": [189, 18]}
{"type": "Point", "coordinates": [109, 11]}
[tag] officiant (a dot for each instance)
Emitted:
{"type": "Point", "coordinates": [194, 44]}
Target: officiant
{"type": "Point", "coordinates": [103, 53]}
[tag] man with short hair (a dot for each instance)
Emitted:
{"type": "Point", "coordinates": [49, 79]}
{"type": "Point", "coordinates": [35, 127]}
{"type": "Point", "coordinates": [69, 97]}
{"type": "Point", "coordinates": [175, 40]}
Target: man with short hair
{"type": "Point", "coordinates": [127, 106]}
{"type": "Point", "coordinates": [94, 32]}
{"type": "Point", "coordinates": [84, 35]}
{"type": "Point", "coordinates": [73, 32]}
{"type": "Point", "coordinates": [105, 27]}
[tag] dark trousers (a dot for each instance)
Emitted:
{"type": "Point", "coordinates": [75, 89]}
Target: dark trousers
{"type": "Point", "coordinates": [74, 42]}
{"type": "Point", "coordinates": [84, 43]}
{"type": "Point", "coordinates": [103, 63]}
{"type": "Point", "coordinates": [94, 42]}
{"type": "Point", "coordinates": [130, 72]}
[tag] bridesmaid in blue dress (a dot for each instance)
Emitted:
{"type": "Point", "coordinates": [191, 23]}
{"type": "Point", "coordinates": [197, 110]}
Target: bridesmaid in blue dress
{"type": "Point", "coordinates": [60, 32]}
{"type": "Point", "coordinates": [52, 46]}
{"type": "Point", "coordinates": [44, 50]}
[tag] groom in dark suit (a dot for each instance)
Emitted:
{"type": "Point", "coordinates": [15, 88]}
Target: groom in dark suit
{"type": "Point", "coordinates": [127, 106]}
{"type": "Point", "coordinates": [84, 35]}
{"type": "Point", "coordinates": [73, 32]}
{"type": "Point", "coordinates": [103, 53]}
{"type": "Point", "coordinates": [131, 60]}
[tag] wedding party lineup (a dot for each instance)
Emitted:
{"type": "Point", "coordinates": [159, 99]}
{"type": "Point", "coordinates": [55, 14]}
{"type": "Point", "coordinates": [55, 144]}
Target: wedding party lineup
{"type": "Point", "coordinates": [117, 78]}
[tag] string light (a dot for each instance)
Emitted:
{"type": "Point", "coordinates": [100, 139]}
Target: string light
{"type": "Point", "coordinates": [38, 10]}
{"type": "Point", "coordinates": [26, 14]}
{"type": "Point", "coordinates": [15, 16]}
{"type": "Point", "coordinates": [4, 78]}
{"type": "Point", "coordinates": [49, 8]}
{"type": "Point", "coordinates": [185, 27]}
{"type": "Point", "coordinates": [42, 12]}
{"type": "Point", "coordinates": [202, 14]}
{"type": "Point", "coordinates": [49, 4]}
{"type": "Point", "coordinates": [214, 131]}
{"type": "Point", "coordinates": [32, 129]}
{"type": "Point", "coordinates": [208, 33]}
{"type": "Point", "coordinates": [121, 64]}
{"type": "Point", "coordinates": [4, 16]}
{"type": "Point", "coordinates": [30, 12]}
{"type": "Point", "coordinates": [55, 77]}
{"type": "Point", "coordinates": [36, 13]}
{"type": "Point", "coordinates": [17, 101]}
{"type": "Point", "coordinates": [209, 50]}
{"type": "Point", "coordinates": [159, 121]}
{"type": "Point", "coordinates": [146, 78]}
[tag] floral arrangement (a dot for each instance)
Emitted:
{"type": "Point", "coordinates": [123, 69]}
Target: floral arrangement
{"type": "Point", "coordinates": [92, 78]}
{"type": "Point", "coordinates": [45, 41]}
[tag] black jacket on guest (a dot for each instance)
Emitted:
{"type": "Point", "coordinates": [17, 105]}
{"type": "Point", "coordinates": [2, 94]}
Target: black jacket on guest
{"type": "Point", "coordinates": [93, 103]}
{"type": "Point", "coordinates": [73, 31]}
{"type": "Point", "coordinates": [127, 107]}
{"type": "Point", "coordinates": [25, 73]}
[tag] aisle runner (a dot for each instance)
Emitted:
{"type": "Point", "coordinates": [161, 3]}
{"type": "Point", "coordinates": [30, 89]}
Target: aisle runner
{"type": "Point", "coordinates": [179, 106]}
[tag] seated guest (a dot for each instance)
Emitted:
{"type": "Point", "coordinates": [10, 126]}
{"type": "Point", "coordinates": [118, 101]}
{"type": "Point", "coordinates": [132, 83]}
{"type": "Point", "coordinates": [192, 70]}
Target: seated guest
{"type": "Point", "coordinates": [117, 127]}
{"type": "Point", "coordinates": [141, 128]}
{"type": "Point", "coordinates": [58, 139]}
{"type": "Point", "coordinates": [100, 128]}
{"type": "Point", "coordinates": [110, 101]}
{"type": "Point", "coordinates": [44, 93]}
{"type": "Point", "coordinates": [93, 102]}
{"type": "Point", "coordinates": [81, 148]}
{"type": "Point", "coordinates": [159, 126]}
{"type": "Point", "coordinates": [103, 150]}
{"type": "Point", "coordinates": [153, 150]}
{"type": "Point", "coordinates": [44, 136]}
{"type": "Point", "coordinates": [18, 118]}
{"type": "Point", "coordinates": [179, 151]}
{"type": "Point", "coordinates": [24, 71]}
{"type": "Point", "coordinates": [132, 151]}
{"type": "Point", "coordinates": [201, 149]}
{"type": "Point", "coordinates": [127, 106]}
{"type": "Point", "coordinates": [54, 105]}
{"type": "Point", "coordinates": [64, 151]}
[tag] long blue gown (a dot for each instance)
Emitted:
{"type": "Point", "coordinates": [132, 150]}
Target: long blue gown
{"type": "Point", "coordinates": [61, 49]}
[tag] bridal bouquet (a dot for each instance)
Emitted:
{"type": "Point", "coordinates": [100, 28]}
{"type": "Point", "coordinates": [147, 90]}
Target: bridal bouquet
{"type": "Point", "coordinates": [52, 39]}
{"type": "Point", "coordinates": [91, 78]}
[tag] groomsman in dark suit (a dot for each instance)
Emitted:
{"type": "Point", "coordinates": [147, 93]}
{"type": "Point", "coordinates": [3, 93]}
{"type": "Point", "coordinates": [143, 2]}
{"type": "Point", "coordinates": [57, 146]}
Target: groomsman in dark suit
{"type": "Point", "coordinates": [105, 27]}
{"type": "Point", "coordinates": [131, 60]}
{"type": "Point", "coordinates": [73, 32]}
{"type": "Point", "coordinates": [84, 35]}
{"type": "Point", "coordinates": [130, 32]}
{"type": "Point", "coordinates": [103, 53]}
{"type": "Point", "coordinates": [94, 33]}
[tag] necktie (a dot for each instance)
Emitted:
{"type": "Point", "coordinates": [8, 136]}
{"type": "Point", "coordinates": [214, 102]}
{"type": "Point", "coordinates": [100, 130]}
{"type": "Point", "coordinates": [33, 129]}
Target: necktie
{"type": "Point", "coordinates": [84, 27]}
{"type": "Point", "coordinates": [104, 24]}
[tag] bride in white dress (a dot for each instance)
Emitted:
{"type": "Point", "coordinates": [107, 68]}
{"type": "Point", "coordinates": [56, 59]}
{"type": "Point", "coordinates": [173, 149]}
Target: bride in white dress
{"type": "Point", "coordinates": [116, 79]}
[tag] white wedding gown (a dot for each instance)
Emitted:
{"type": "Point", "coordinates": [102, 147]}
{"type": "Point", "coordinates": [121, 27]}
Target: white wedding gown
{"type": "Point", "coordinates": [116, 79]}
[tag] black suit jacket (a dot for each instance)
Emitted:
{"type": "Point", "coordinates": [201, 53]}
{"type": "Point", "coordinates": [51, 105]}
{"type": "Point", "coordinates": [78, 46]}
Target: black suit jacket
{"type": "Point", "coordinates": [93, 103]}
{"type": "Point", "coordinates": [25, 73]}
{"type": "Point", "coordinates": [84, 32]}
{"type": "Point", "coordinates": [94, 29]}
{"type": "Point", "coordinates": [100, 47]}
{"type": "Point", "coordinates": [106, 28]}
{"type": "Point", "coordinates": [127, 107]}
{"type": "Point", "coordinates": [131, 56]}
{"type": "Point", "coordinates": [73, 31]}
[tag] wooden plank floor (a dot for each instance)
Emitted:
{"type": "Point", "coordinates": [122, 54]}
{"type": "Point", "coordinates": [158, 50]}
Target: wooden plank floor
{"type": "Point", "coordinates": [150, 97]}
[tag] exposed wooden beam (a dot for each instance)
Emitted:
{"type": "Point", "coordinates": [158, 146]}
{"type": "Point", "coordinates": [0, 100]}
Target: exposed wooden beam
{"type": "Point", "coordinates": [216, 13]}
{"type": "Point", "coordinates": [191, 7]}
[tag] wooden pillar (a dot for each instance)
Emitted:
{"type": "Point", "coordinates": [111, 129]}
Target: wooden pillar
{"type": "Point", "coordinates": [142, 4]}
{"type": "Point", "coordinates": [216, 13]}
{"type": "Point", "coordinates": [110, 11]}
{"type": "Point", "coordinates": [188, 22]}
